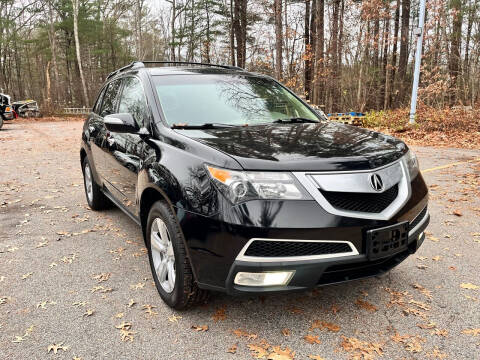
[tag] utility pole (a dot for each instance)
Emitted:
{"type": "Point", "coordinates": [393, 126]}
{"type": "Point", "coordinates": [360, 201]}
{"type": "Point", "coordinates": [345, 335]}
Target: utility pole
{"type": "Point", "coordinates": [418, 59]}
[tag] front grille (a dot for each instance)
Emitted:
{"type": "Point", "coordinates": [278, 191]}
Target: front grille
{"type": "Point", "coordinates": [361, 202]}
{"type": "Point", "coordinates": [261, 248]}
{"type": "Point", "coordinates": [419, 218]}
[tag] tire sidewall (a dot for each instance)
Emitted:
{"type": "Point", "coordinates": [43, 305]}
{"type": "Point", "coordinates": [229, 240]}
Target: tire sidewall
{"type": "Point", "coordinates": [160, 210]}
{"type": "Point", "coordinates": [85, 163]}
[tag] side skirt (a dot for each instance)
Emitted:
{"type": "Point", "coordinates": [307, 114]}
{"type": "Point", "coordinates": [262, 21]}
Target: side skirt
{"type": "Point", "coordinates": [121, 207]}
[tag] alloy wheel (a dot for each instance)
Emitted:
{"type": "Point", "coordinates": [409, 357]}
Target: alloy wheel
{"type": "Point", "coordinates": [162, 255]}
{"type": "Point", "coordinates": [88, 182]}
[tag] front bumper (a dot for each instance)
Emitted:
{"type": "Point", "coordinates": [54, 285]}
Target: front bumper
{"type": "Point", "coordinates": [8, 115]}
{"type": "Point", "coordinates": [214, 243]}
{"type": "Point", "coordinates": [309, 274]}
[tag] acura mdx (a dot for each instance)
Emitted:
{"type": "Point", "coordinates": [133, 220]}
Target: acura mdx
{"type": "Point", "coordinates": [240, 186]}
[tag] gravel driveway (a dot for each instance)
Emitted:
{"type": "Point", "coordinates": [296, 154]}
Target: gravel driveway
{"type": "Point", "coordinates": [78, 283]}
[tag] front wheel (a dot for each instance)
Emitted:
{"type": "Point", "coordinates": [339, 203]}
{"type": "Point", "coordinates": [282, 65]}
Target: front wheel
{"type": "Point", "coordinates": [1, 121]}
{"type": "Point", "coordinates": [169, 263]}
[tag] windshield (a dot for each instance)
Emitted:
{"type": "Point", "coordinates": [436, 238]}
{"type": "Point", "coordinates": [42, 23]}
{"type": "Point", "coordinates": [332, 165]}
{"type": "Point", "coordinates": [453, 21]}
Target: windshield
{"type": "Point", "coordinates": [226, 99]}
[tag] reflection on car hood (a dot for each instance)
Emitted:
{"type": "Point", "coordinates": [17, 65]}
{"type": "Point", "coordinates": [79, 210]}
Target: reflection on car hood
{"type": "Point", "coordinates": [324, 146]}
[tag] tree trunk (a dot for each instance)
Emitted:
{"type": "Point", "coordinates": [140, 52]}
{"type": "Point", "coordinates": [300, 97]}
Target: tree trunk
{"type": "Point", "coordinates": [232, 35]}
{"type": "Point", "coordinates": [334, 86]}
{"type": "Point", "coordinates": [277, 6]}
{"type": "Point", "coordinates": [319, 83]}
{"type": "Point", "coordinates": [394, 56]}
{"type": "Point", "coordinates": [403, 60]}
{"type": "Point", "coordinates": [53, 47]}
{"type": "Point", "coordinates": [77, 50]}
{"type": "Point", "coordinates": [308, 50]}
{"type": "Point", "coordinates": [455, 45]}
{"type": "Point", "coordinates": [172, 29]}
{"type": "Point", "coordinates": [386, 43]}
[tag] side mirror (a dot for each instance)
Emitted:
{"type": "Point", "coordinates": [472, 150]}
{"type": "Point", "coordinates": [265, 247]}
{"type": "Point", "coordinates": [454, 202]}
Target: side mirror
{"type": "Point", "coordinates": [121, 123]}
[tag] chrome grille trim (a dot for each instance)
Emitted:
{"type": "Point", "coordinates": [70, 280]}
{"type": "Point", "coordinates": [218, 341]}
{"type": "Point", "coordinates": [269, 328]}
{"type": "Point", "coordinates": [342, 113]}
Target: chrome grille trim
{"type": "Point", "coordinates": [420, 223]}
{"type": "Point", "coordinates": [242, 257]}
{"type": "Point", "coordinates": [358, 181]}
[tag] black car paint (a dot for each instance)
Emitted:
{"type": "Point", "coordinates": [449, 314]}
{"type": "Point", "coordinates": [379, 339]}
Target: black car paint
{"type": "Point", "coordinates": [170, 164]}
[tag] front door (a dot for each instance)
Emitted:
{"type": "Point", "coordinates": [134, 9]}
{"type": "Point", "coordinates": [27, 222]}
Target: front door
{"type": "Point", "coordinates": [124, 156]}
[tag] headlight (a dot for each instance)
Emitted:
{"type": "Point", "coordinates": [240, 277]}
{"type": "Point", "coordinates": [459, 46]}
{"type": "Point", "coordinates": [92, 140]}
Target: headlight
{"type": "Point", "coordinates": [240, 186]}
{"type": "Point", "coordinates": [412, 164]}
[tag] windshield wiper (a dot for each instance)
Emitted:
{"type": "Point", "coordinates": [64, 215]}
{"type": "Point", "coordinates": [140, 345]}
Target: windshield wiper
{"type": "Point", "coordinates": [202, 126]}
{"type": "Point", "coordinates": [294, 120]}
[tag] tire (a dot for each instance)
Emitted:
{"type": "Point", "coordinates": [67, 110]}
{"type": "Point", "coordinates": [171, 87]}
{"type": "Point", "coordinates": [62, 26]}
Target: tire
{"type": "Point", "coordinates": [95, 197]}
{"type": "Point", "coordinates": [184, 293]}
{"type": "Point", "coordinates": [1, 121]}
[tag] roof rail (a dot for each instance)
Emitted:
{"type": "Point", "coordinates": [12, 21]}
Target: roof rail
{"type": "Point", "coordinates": [132, 65]}
{"type": "Point", "coordinates": [191, 63]}
{"type": "Point", "coordinates": [140, 64]}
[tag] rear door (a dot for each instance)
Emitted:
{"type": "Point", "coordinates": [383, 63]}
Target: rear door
{"type": "Point", "coordinates": [124, 156]}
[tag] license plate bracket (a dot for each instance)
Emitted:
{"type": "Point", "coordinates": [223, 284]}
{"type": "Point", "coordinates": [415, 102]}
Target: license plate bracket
{"type": "Point", "coordinates": [386, 241]}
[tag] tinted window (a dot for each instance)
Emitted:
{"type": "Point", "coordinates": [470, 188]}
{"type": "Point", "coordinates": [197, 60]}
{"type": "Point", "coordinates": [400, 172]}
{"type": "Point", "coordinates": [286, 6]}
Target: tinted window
{"type": "Point", "coordinates": [133, 100]}
{"type": "Point", "coordinates": [98, 103]}
{"type": "Point", "coordinates": [232, 99]}
{"type": "Point", "coordinates": [109, 103]}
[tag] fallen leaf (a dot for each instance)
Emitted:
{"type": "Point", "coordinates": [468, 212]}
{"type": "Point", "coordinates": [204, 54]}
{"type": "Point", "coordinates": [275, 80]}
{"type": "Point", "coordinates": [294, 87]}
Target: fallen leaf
{"type": "Point", "coordinates": [127, 335]}
{"type": "Point", "coordinates": [473, 332]}
{"type": "Point", "coordinates": [102, 277]}
{"type": "Point", "coordinates": [56, 347]}
{"type": "Point", "coordinates": [174, 318]}
{"type": "Point", "coordinates": [469, 286]}
{"type": "Point", "coordinates": [131, 303]}
{"type": "Point", "coordinates": [281, 354]}
{"type": "Point", "coordinates": [258, 352]}
{"type": "Point", "coordinates": [220, 314]}
{"type": "Point", "coordinates": [457, 213]}
{"type": "Point", "coordinates": [430, 325]}
{"type": "Point", "coordinates": [286, 332]}
{"type": "Point", "coordinates": [89, 312]}
{"type": "Point", "coordinates": [149, 309]}
{"type": "Point", "coordinates": [317, 324]}
{"type": "Point", "coordinates": [365, 305]}
{"type": "Point", "coordinates": [361, 349]}
{"type": "Point", "coordinates": [200, 328]}
{"type": "Point", "coordinates": [27, 275]}
{"type": "Point", "coordinates": [312, 339]}
{"type": "Point", "coordinates": [138, 286]}
{"type": "Point", "coordinates": [440, 332]}
{"type": "Point", "coordinates": [232, 349]}
{"type": "Point", "coordinates": [243, 333]}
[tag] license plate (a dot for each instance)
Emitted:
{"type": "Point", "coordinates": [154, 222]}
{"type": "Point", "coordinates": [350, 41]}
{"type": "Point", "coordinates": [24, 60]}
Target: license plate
{"type": "Point", "coordinates": [387, 241]}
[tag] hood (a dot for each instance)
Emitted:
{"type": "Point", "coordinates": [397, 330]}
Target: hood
{"type": "Point", "coordinates": [326, 146]}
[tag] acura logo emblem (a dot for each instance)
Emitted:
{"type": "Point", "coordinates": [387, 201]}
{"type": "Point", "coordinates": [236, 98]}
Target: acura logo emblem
{"type": "Point", "coordinates": [376, 182]}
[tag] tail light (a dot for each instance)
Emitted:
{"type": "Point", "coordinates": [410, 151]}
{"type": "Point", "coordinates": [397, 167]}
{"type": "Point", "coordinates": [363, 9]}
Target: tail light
{"type": "Point", "coordinates": [8, 109]}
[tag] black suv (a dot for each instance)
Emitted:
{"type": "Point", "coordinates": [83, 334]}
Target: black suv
{"type": "Point", "coordinates": [6, 111]}
{"type": "Point", "coordinates": [239, 186]}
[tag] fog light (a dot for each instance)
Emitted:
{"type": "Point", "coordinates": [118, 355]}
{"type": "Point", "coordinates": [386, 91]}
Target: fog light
{"type": "Point", "coordinates": [421, 235]}
{"type": "Point", "coordinates": [264, 278]}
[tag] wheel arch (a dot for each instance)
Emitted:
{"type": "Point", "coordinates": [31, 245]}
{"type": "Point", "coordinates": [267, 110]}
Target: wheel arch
{"type": "Point", "coordinates": [149, 196]}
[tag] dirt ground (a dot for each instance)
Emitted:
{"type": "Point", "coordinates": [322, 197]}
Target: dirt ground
{"type": "Point", "coordinates": [76, 283]}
